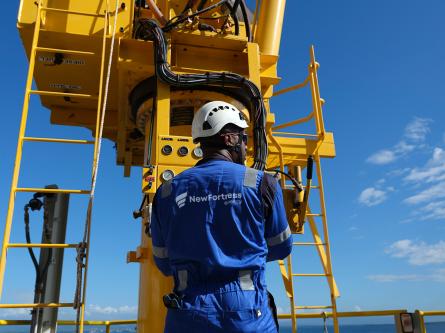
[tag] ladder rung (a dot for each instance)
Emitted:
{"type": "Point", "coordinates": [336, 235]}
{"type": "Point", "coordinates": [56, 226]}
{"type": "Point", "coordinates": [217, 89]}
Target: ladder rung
{"type": "Point", "coordinates": [36, 305]}
{"type": "Point", "coordinates": [309, 274]}
{"type": "Point", "coordinates": [66, 11]}
{"type": "Point", "coordinates": [302, 307]}
{"type": "Point", "coordinates": [314, 215]}
{"type": "Point", "coordinates": [308, 243]}
{"type": "Point", "coordinates": [61, 94]}
{"type": "Point", "coordinates": [50, 190]}
{"type": "Point", "coordinates": [32, 245]}
{"type": "Point", "coordinates": [49, 49]}
{"type": "Point", "coordinates": [86, 142]}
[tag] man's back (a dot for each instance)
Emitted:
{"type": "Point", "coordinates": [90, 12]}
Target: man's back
{"type": "Point", "coordinates": [211, 217]}
{"type": "Point", "coordinates": [213, 230]}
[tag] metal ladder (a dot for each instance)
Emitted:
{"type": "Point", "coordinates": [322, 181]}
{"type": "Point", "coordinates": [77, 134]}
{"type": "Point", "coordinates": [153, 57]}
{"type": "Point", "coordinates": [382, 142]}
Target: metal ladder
{"type": "Point", "coordinates": [35, 49]}
{"type": "Point", "coordinates": [321, 244]}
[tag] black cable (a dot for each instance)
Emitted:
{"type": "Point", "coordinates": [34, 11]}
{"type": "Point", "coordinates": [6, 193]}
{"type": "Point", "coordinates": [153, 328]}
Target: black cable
{"type": "Point", "coordinates": [170, 25]}
{"type": "Point", "coordinates": [28, 241]}
{"type": "Point", "coordinates": [234, 17]}
{"type": "Point", "coordinates": [256, 108]}
{"type": "Point", "coordinates": [246, 19]}
{"type": "Point", "coordinates": [201, 4]}
{"type": "Point", "coordinates": [296, 183]}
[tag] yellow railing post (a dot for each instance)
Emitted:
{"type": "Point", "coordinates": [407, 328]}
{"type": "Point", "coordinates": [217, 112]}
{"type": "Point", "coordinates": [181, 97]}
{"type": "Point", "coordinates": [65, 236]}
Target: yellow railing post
{"type": "Point", "coordinates": [18, 157]}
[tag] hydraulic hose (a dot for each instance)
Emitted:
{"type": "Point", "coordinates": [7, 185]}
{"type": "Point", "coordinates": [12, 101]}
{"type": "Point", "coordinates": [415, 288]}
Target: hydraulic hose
{"type": "Point", "coordinates": [256, 108]}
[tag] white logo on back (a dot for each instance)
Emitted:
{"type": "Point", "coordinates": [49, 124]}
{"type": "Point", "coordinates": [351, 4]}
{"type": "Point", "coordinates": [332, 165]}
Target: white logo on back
{"type": "Point", "coordinates": [180, 199]}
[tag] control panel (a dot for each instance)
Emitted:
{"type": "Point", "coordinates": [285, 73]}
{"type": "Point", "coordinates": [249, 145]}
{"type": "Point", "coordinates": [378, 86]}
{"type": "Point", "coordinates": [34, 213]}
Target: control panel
{"type": "Point", "coordinates": [175, 154]}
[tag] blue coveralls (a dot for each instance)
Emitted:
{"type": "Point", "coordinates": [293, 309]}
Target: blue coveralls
{"type": "Point", "coordinates": [208, 231]}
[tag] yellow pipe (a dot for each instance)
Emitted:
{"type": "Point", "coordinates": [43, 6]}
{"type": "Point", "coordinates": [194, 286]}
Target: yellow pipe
{"type": "Point", "coordinates": [295, 134]}
{"type": "Point", "coordinates": [65, 51]}
{"type": "Point", "coordinates": [270, 24]}
{"type": "Point", "coordinates": [18, 158]}
{"type": "Point", "coordinates": [50, 190]}
{"type": "Point", "coordinates": [61, 94]}
{"type": "Point", "coordinates": [36, 305]}
{"type": "Point", "coordinates": [432, 313]}
{"type": "Point", "coordinates": [58, 246]}
{"type": "Point", "coordinates": [74, 12]}
{"type": "Point", "coordinates": [34, 139]}
{"type": "Point", "coordinates": [291, 88]}
{"type": "Point", "coordinates": [294, 122]}
{"type": "Point", "coordinates": [291, 299]}
{"type": "Point", "coordinates": [72, 322]}
{"type": "Point", "coordinates": [343, 314]}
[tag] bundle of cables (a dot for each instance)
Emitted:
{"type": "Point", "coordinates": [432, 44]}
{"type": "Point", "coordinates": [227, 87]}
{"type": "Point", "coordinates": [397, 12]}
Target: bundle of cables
{"type": "Point", "coordinates": [149, 30]}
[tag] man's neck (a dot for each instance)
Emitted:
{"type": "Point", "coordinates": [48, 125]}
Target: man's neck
{"type": "Point", "coordinates": [219, 154]}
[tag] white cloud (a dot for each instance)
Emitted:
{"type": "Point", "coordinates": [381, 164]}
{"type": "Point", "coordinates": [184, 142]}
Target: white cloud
{"type": "Point", "coordinates": [394, 277]}
{"type": "Point", "coordinates": [413, 138]}
{"type": "Point", "coordinates": [418, 254]}
{"type": "Point", "coordinates": [434, 211]}
{"type": "Point", "coordinates": [433, 192]}
{"type": "Point", "coordinates": [402, 148]}
{"type": "Point", "coordinates": [125, 309]}
{"type": "Point", "coordinates": [433, 171]}
{"type": "Point", "coordinates": [353, 228]}
{"type": "Point", "coordinates": [417, 129]}
{"type": "Point", "coordinates": [15, 313]}
{"type": "Point", "coordinates": [371, 196]}
{"type": "Point", "coordinates": [436, 276]}
{"type": "Point", "coordinates": [382, 157]}
{"type": "Point", "coordinates": [357, 308]}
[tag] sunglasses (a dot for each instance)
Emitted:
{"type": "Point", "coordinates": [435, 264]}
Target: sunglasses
{"type": "Point", "coordinates": [242, 136]}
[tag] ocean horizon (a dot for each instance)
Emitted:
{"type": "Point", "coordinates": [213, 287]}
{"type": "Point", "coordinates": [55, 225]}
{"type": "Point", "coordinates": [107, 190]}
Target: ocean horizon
{"type": "Point", "coordinates": [436, 327]}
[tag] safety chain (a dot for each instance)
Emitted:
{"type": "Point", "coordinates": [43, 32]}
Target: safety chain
{"type": "Point", "coordinates": [80, 259]}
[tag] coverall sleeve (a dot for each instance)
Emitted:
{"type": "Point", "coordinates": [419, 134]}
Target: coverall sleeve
{"type": "Point", "coordinates": [160, 250]}
{"type": "Point", "coordinates": [277, 231]}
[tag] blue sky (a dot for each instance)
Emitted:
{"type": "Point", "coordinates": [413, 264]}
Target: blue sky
{"type": "Point", "coordinates": [382, 75]}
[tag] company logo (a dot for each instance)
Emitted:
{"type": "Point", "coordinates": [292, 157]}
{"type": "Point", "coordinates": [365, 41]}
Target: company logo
{"type": "Point", "coordinates": [228, 198]}
{"type": "Point", "coordinates": [180, 199]}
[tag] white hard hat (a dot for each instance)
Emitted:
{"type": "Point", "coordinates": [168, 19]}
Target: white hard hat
{"type": "Point", "coordinates": [213, 116]}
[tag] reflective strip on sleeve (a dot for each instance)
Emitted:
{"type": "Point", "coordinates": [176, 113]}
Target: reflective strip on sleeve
{"type": "Point", "coordinates": [250, 177]}
{"type": "Point", "coordinates": [160, 252]}
{"type": "Point", "coordinates": [280, 238]}
{"type": "Point", "coordinates": [182, 278]}
{"type": "Point", "coordinates": [166, 189]}
{"type": "Point", "coordinates": [245, 279]}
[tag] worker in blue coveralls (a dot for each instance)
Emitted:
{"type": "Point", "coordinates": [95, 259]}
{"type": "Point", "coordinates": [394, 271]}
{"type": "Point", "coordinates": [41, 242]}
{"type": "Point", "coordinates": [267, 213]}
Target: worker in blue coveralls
{"type": "Point", "coordinates": [214, 227]}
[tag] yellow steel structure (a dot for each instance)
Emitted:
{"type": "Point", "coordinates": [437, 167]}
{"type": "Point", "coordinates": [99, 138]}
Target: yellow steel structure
{"type": "Point", "coordinates": [41, 13]}
{"type": "Point", "coordinates": [65, 39]}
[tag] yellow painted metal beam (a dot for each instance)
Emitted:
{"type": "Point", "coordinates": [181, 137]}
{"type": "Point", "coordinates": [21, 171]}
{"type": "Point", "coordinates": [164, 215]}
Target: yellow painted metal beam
{"type": "Point", "coordinates": [44, 245]}
{"type": "Point", "coordinates": [50, 190]}
{"type": "Point", "coordinates": [344, 314]}
{"type": "Point", "coordinates": [36, 305]}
